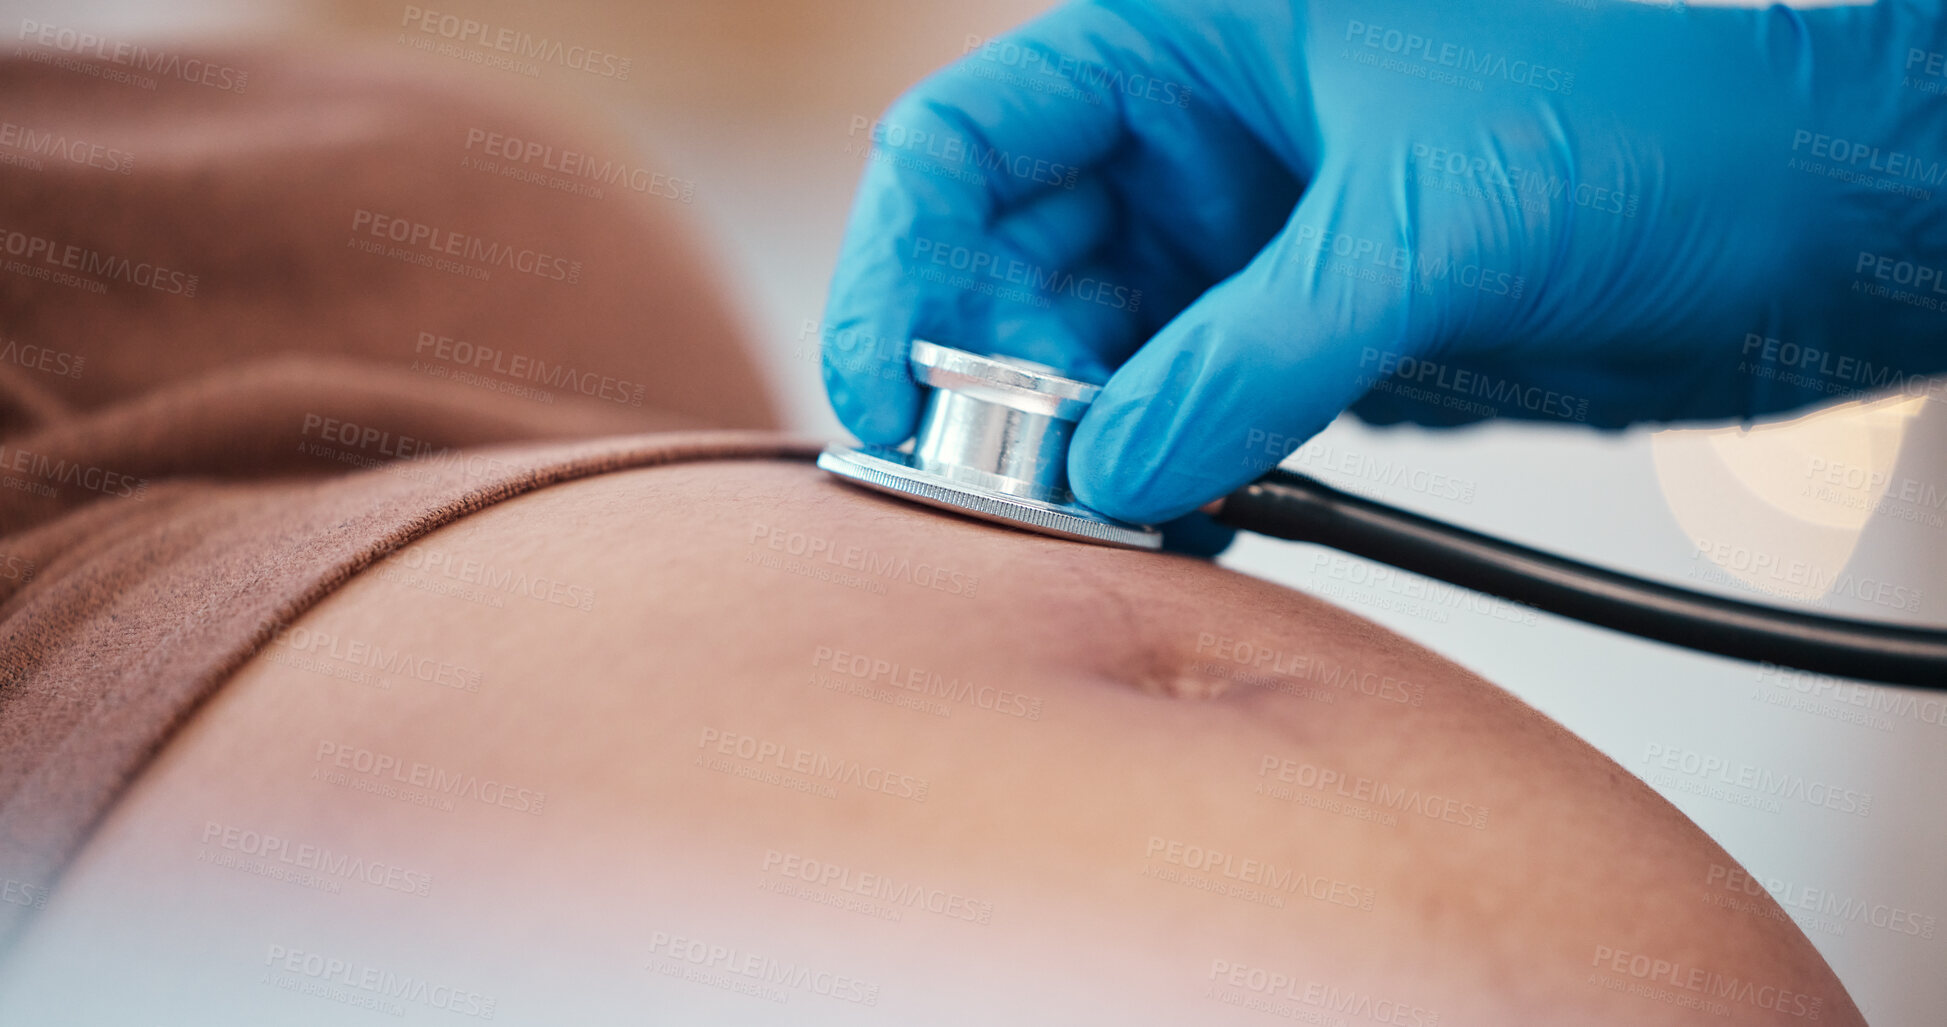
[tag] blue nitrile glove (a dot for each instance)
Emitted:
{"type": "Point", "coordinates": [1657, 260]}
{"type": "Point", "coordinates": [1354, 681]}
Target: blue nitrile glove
{"type": "Point", "coordinates": [1258, 212]}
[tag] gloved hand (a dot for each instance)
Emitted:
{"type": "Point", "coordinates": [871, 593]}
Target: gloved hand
{"type": "Point", "coordinates": [1247, 215]}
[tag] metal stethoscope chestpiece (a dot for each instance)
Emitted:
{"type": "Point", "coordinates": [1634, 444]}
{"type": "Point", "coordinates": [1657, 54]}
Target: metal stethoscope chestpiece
{"type": "Point", "coordinates": [992, 443]}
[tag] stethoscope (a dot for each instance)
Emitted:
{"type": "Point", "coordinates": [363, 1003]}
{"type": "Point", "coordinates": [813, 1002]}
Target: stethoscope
{"type": "Point", "coordinates": [993, 440]}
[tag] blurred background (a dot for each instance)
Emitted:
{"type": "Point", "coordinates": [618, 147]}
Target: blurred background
{"type": "Point", "coordinates": [757, 106]}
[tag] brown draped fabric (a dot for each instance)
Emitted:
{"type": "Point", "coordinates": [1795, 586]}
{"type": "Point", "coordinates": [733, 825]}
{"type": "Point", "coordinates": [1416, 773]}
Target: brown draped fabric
{"type": "Point", "coordinates": [185, 468]}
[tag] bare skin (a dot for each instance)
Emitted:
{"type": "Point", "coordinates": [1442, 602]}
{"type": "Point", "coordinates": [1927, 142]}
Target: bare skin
{"type": "Point", "coordinates": [811, 755]}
